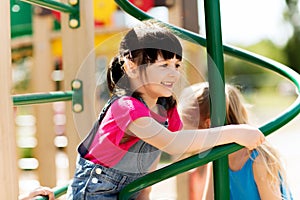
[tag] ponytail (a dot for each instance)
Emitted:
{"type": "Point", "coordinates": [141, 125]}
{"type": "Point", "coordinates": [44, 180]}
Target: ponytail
{"type": "Point", "coordinates": [114, 74]}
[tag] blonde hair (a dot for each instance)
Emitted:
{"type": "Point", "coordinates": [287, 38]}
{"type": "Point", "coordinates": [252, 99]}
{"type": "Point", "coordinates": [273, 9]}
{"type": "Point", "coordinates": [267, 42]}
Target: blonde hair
{"type": "Point", "coordinates": [195, 104]}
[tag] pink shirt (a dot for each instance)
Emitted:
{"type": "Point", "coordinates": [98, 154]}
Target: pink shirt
{"type": "Point", "coordinates": [106, 148]}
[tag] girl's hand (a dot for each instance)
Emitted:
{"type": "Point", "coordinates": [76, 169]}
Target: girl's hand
{"type": "Point", "coordinates": [247, 136]}
{"type": "Point", "coordinates": [41, 191]}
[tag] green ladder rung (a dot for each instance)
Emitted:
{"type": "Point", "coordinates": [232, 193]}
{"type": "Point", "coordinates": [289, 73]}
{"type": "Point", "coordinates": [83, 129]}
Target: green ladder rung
{"type": "Point", "coordinates": [76, 96]}
{"type": "Point", "coordinates": [37, 98]}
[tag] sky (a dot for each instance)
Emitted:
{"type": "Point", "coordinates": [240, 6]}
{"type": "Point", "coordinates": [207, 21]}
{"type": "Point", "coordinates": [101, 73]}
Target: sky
{"type": "Point", "coordinates": [247, 21]}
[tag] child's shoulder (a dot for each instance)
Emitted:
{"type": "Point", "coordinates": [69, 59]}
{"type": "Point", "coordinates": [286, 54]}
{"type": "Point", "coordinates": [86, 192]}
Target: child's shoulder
{"type": "Point", "coordinates": [257, 158]}
{"type": "Point", "coordinates": [126, 99]}
{"type": "Point", "coordinates": [128, 102]}
{"type": "Point", "coordinates": [259, 166]}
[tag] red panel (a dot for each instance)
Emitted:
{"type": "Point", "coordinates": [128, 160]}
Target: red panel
{"type": "Point", "coordinates": [144, 5]}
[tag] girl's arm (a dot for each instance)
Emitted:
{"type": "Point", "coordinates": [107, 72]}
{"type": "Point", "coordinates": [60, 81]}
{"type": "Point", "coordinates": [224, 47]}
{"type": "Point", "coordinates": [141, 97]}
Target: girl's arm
{"type": "Point", "coordinates": [266, 189]}
{"type": "Point", "coordinates": [191, 141]}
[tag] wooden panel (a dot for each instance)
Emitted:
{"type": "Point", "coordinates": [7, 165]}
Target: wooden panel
{"type": "Point", "coordinates": [8, 165]}
{"type": "Point", "coordinates": [42, 82]}
{"type": "Point", "coordinates": [77, 47]}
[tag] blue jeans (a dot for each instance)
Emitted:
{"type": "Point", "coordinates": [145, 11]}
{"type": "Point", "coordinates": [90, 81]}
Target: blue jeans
{"type": "Point", "coordinates": [92, 181]}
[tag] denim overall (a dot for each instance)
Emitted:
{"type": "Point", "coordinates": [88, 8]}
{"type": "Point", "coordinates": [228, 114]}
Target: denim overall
{"type": "Point", "coordinates": [93, 181]}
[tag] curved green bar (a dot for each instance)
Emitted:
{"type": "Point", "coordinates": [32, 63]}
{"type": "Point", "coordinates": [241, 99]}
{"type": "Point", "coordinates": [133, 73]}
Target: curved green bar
{"type": "Point", "coordinates": [36, 98]}
{"type": "Point", "coordinates": [220, 151]}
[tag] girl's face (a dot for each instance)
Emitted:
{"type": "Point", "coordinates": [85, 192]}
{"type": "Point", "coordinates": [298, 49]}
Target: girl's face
{"type": "Point", "coordinates": [161, 76]}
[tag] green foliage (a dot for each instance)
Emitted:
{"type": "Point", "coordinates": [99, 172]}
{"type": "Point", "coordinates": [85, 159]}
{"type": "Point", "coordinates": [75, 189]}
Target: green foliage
{"type": "Point", "coordinates": [21, 75]}
{"type": "Point", "coordinates": [268, 49]}
{"type": "Point", "coordinates": [292, 50]}
{"type": "Point", "coordinates": [250, 76]}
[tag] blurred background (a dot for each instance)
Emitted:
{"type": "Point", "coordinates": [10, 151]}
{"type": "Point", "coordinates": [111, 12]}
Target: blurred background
{"type": "Point", "coordinates": [270, 28]}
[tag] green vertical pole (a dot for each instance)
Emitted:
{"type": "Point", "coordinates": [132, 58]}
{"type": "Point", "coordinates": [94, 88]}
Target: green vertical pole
{"type": "Point", "coordinates": [215, 62]}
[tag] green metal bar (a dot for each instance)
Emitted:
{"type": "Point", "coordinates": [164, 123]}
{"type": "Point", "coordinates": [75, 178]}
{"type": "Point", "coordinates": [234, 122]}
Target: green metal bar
{"type": "Point", "coordinates": [175, 169]}
{"type": "Point", "coordinates": [217, 152]}
{"type": "Point", "coordinates": [216, 81]}
{"type": "Point", "coordinates": [36, 98]}
{"type": "Point", "coordinates": [221, 178]}
{"type": "Point", "coordinates": [54, 5]}
{"type": "Point", "coordinates": [72, 9]}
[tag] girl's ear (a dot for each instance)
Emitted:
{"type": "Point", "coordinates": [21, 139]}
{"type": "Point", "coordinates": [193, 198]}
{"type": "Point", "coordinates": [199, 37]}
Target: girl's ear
{"type": "Point", "coordinates": [130, 68]}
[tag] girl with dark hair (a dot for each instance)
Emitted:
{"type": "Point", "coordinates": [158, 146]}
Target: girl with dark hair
{"type": "Point", "coordinates": [140, 120]}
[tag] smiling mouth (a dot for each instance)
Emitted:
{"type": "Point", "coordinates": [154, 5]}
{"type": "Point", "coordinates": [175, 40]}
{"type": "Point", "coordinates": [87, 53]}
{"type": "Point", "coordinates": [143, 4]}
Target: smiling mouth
{"type": "Point", "coordinates": [167, 84]}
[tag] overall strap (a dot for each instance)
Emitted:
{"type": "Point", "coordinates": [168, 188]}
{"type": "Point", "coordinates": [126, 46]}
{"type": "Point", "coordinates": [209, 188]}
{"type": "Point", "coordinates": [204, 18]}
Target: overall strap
{"type": "Point", "coordinates": [84, 146]}
{"type": "Point", "coordinates": [86, 143]}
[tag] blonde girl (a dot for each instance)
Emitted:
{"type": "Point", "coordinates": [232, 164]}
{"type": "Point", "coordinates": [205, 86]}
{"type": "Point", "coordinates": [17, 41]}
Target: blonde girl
{"type": "Point", "coordinates": [141, 118]}
{"type": "Point", "coordinates": [254, 173]}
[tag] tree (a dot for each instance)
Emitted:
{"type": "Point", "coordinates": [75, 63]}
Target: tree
{"type": "Point", "coordinates": [293, 44]}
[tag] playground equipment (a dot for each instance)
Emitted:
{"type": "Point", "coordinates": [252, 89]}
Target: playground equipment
{"type": "Point", "coordinates": [81, 40]}
{"type": "Point", "coordinates": [215, 50]}
{"type": "Point", "coordinates": [214, 45]}
{"type": "Point", "coordinates": [72, 9]}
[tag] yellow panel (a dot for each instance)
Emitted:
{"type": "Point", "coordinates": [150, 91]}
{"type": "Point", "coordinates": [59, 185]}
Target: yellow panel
{"type": "Point", "coordinates": [103, 10]}
{"type": "Point", "coordinates": [56, 47]}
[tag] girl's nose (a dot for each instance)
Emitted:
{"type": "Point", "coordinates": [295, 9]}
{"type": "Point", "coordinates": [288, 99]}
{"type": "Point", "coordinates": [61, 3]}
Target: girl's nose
{"type": "Point", "coordinates": [174, 71]}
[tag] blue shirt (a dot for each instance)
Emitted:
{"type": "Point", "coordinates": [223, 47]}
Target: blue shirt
{"type": "Point", "coordinates": [242, 183]}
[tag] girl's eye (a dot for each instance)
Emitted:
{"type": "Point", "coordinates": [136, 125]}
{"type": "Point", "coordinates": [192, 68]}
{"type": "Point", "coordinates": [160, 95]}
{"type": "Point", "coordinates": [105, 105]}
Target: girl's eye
{"type": "Point", "coordinates": [164, 65]}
